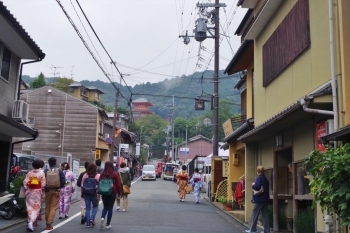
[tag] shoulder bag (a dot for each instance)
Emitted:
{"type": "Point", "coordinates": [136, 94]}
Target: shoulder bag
{"type": "Point", "coordinates": [126, 188]}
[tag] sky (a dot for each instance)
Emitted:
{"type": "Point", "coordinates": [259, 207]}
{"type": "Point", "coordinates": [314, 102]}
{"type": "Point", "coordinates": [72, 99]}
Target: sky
{"type": "Point", "coordinates": [141, 36]}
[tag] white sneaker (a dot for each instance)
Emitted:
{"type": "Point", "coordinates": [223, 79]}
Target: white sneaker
{"type": "Point", "coordinates": [108, 226]}
{"type": "Point", "coordinates": [123, 210]}
{"type": "Point", "coordinates": [102, 222]}
{"type": "Point", "coordinates": [118, 207]}
{"type": "Point", "coordinates": [248, 231]}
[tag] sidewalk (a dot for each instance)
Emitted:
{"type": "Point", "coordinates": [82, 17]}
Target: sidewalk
{"type": "Point", "coordinates": [236, 215]}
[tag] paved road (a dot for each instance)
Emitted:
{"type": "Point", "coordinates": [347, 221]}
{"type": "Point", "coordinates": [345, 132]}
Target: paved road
{"type": "Point", "coordinates": [154, 207]}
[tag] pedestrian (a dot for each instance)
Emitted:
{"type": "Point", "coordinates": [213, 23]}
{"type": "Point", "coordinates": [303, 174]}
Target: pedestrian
{"type": "Point", "coordinates": [98, 164]}
{"type": "Point", "coordinates": [196, 182]}
{"type": "Point", "coordinates": [175, 171]}
{"type": "Point", "coordinates": [108, 200]}
{"type": "Point", "coordinates": [89, 189]}
{"type": "Point", "coordinates": [66, 192]}
{"type": "Point", "coordinates": [125, 180]}
{"type": "Point", "coordinates": [116, 167]}
{"type": "Point", "coordinates": [261, 201]}
{"type": "Point", "coordinates": [55, 180]}
{"type": "Point", "coordinates": [132, 173]}
{"type": "Point", "coordinates": [82, 200]}
{"type": "Point", "coordinates": [182, 181]}
{"type": "Point", "coordinates": [33, 183]}
{"type": "Point", "coordinates": [42, 164]}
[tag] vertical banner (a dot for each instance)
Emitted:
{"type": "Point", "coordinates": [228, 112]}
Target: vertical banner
{"type": "Point", "coordinates": [138, 149]}
{"type": "Point", "coordinates": [321, 130]}
{"type": "Point", "coordinates": [75, 167]}
{"type": "Point", "coordinates": [225, 166]}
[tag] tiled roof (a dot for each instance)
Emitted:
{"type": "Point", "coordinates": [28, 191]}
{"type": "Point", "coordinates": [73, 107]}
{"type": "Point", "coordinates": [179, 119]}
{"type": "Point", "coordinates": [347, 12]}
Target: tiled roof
{"type": "Point", "coordinates": [20, 30]}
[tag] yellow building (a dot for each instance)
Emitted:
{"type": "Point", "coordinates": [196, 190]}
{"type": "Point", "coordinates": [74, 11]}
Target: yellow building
{"type": "Point", "coordinates": [82, 92]}
{"type": "Point", "coordinates": [297, 91]}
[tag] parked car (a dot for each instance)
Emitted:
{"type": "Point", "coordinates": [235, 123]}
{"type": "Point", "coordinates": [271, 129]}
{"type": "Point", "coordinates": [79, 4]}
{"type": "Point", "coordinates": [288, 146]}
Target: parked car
{"type": "Point", "coordinates": [21, 164]}
{"type": "Point", "coordinates": [149, 172]}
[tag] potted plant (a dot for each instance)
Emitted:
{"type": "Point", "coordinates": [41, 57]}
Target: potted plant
{"type": "Point", "coordinates": [228, 205]}
{"type": "Point", "coordinates": [223, 201]}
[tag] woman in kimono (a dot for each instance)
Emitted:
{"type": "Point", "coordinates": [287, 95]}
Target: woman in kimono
{"type": "Point", "coordinates": [33, 184]}
{"type": "Point", "coordinates": [196, 182]}
{"type": "Point", "coordinates": [66, 192]}
{"type": "Point", "coordinates": [182, 180]}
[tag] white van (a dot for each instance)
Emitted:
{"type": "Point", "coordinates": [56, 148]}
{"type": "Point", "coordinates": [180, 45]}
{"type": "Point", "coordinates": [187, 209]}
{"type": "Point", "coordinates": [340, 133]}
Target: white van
{"type": "Point", "coordinates": [168, 170]}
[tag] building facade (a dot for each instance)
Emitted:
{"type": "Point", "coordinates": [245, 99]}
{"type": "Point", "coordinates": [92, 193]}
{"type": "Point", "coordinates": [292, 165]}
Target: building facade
{"type": "Point", "coordinates": [298, 85]}
{"type": "Point", "coordinates": [15, 45]}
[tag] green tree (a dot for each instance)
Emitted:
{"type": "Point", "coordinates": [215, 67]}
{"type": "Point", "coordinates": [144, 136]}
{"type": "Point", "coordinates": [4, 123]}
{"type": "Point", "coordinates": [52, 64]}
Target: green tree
{"type": "Point", "coordinates": [38, 82]}
{"type": "Point", "coordinates": [331, 175]}
{"type": "Point", "coordinates": [63, 84]}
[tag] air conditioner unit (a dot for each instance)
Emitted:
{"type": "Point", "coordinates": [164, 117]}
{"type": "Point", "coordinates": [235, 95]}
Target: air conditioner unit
{"type": "Point", "coordinates": [20, 111]}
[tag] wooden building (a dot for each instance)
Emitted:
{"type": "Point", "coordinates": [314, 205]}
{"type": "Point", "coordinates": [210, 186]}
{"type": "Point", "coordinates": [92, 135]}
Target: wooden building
{"type": "Point", "coordinates": [66, 125]}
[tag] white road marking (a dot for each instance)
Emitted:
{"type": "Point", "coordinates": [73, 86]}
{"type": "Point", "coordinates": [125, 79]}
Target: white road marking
{"type": "Point", "coordinates": [76, 215]}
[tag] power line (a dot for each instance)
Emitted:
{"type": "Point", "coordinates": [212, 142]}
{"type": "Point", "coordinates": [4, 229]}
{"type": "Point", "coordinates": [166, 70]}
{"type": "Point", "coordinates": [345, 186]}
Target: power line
{"type": "Point", "coordinates": [92, 28]}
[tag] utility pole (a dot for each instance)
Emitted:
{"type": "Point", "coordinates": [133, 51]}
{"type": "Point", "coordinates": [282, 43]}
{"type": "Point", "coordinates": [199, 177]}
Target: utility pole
{"type": "Point", "coordinates": [172, 139]}
{"type": "Point", "coordinates": [201, 34]}
{"type": "Point", "coordinates": [216, 82]}
{"type": "Point", "coordinates": [111, 156]}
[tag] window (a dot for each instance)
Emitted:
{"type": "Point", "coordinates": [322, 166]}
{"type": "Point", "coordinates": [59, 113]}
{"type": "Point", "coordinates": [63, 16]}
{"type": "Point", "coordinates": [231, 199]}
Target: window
{"type": "Point", "coordinates": [5, 59]}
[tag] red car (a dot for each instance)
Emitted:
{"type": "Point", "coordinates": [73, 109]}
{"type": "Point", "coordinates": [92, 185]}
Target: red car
{"type": "Point", "coordinates": [159, 169]}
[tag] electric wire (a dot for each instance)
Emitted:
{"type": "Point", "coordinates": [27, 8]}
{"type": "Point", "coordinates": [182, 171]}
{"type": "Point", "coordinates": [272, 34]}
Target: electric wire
{"type": "Point", "coordinates": [98, 38]}
{"type": "Point", "coordinates": [86, 45]}
{"type": "Point", "coordinates": [88, 34]}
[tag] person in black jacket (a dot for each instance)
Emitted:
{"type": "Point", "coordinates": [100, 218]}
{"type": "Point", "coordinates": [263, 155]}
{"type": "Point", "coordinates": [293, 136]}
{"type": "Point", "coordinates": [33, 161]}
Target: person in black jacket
{"type": "Point", "coordinates": [82, 201]}
{"type": "Point", "coordinates": [261, 201]}
{"type": "Point", "coordinates": [52, 194]}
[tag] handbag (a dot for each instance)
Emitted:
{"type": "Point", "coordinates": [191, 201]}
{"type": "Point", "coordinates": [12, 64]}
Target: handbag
{"type": "Point", "coordinates": [126, 188]}
{"type": "Point", "coordinates": [22, 192]}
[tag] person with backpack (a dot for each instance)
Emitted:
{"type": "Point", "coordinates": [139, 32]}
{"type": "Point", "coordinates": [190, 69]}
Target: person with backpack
{"type": "Point", "coordinates": [109, 188]}
{"type": "Point", "coordinates": [82, 201]}
{"type": "Point", "coordinates": [89, 190]}
{"type": "Point", "coordinates": [66, 192]}
{"type": "Point", "coordinates": [124, 180]}
{"type": "Point", "coordinates": [55, 180]}
{"type": "Point", "coordinates": [33, 183]}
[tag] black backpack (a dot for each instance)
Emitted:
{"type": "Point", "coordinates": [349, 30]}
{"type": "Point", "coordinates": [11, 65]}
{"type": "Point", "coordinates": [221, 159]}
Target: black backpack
{"type": "Point", "coordinates": [90, 186]}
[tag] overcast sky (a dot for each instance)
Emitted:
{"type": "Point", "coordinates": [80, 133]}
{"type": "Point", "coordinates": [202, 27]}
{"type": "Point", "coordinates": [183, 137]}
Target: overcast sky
{"type": "Point", "coordinates": [142, 37]}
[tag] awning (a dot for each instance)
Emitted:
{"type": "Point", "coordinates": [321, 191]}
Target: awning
{"type": "Point", "coordinates": [242, 59]}
{"type": "Point", "coordinates": [342, 134]}
{"type": "Point", "coordinates": [244, 128]}
{"type": "Point", "coordinates": [14, 129]}
{"type": "Point", "coordinates": [289, 116]}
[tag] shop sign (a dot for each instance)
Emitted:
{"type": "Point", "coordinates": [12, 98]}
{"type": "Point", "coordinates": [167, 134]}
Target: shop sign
{"type": "Point", "coordinates": [321, 130]}
{"type": "Point", "coordinates": [225, 166]}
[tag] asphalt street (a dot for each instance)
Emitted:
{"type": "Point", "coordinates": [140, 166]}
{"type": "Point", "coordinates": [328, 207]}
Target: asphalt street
{"type": "Point", "coordinates": [154, 207]}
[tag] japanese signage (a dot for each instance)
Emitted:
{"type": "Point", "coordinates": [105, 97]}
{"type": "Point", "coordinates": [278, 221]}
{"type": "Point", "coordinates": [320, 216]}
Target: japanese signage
{"type": "Point", "coordinates": [184, 151]}
{"type": "Point", "coordinates": [321, 130]}
{"type": "Point", "coordinates": [225, 166]}
{"type": "Point", "coordinates": [75, 169]}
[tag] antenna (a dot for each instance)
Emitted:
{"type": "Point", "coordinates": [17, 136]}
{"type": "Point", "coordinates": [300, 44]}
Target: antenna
{"type": "Point", "coordinates": [71, 72]}
{"type": "Point", "coordinates": [54, 72]}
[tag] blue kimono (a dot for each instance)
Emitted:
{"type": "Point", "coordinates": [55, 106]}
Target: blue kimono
{"type": "Point", "coordinates": [196, 182]}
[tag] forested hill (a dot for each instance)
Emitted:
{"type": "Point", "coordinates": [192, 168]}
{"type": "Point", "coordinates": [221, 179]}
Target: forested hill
{"type": "Point", "coordinates": [184, 89]}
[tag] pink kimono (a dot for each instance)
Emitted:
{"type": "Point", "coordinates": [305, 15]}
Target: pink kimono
{"type": "Point", "coordinates": [34, 183]}
{"type": "Point", "coordinates": [66, 194]}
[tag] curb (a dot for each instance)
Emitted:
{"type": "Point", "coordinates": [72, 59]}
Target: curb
{"type": "Point", "coordinates": [233, 217]}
